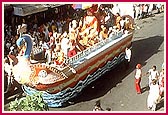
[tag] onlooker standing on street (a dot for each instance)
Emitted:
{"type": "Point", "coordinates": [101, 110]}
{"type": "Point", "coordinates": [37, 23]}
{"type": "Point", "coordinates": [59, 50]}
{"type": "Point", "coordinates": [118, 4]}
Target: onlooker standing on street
{"type": "Point", "coordinates": [138, 75]}
{"type": "Point", "coordinates": [97, 106]}
{"type": "Point", "coordinates": [153, 96]}
{"type": "Point", "coordinates": [153, 74]}
{"type": "Point", "coordinates": [127, 57]}
{"type": "Point", "coordinates": [161, 82]}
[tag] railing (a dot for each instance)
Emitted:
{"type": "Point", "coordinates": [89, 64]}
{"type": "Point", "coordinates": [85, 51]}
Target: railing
{"type": "Point", "coordinates": [93, 48]}
{"type": "Point", "coordinates": [37, 50]}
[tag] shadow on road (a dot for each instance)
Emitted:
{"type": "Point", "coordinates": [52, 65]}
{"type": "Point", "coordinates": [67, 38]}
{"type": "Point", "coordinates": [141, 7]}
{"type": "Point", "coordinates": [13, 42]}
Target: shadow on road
{"type": "Point", "coordinates": [142, 50]}
{"type": "Point", "coordinates": [143, 89]}
{"type": "Point", "coordinates": [160, 104]}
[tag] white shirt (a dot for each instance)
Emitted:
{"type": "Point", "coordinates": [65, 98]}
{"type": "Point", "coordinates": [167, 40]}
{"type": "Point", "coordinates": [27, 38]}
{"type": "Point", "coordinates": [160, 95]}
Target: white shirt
{"type": "Point", "coordinates": [65, 45]}
{"type": "Point", "coordinates": [153, 74]}
{"type": "Point", "coordinates": [138, 73]}
{"type": "Point", "coordinates": [55, 35]}
{"type": "Point", "coordinates": [115, 10]}
{"type": "Point", "coordinates": [128, 54]}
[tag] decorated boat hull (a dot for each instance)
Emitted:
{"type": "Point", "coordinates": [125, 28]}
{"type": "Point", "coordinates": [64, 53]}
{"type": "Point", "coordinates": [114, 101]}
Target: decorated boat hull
{"type": "Point", "coordinates": [88, 65]}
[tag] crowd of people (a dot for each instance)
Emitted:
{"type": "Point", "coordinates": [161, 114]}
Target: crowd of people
{"type": "Point", "coordinates": [156, 81]}
{"type": "Point", "coordinates": [155, 84]}
{"type": "Point", "coordinates": [53, 31]}
{"type": "Point", "coordinates": [144, 10]}
{"type": "Point", "coordinates": [64, 38]}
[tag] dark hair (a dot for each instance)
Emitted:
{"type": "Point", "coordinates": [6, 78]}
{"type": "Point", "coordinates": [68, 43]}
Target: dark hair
{"type": "Point", "coordinates": [124, 18]}
{"type": "Point", "coordinates": [154, 67]}
{"type": "Point", "coordinates": [108, 109]}
{"type": "Point", "coordinates": [118, 14]}
{"type": "Point", "coordinates": [97, 103]}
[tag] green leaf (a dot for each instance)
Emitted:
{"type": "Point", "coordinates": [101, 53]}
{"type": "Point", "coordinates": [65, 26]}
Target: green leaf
{"type": "Point", "coordinates": [29, 103]}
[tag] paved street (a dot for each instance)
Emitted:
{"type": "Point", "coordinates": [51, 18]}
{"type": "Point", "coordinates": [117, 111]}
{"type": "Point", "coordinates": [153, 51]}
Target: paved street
{"type": "Point", "coordinates": [116, 89]}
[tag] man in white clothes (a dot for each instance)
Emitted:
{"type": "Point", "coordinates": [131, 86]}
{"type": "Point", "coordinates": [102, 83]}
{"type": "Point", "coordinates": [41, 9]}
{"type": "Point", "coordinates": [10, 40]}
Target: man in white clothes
{"type": "Point", "coordinates": [65, 43]}
{"type": "Point", "coordinates": [153, 95]}
{"type": "Point", "coordinates": [153, 74]}
{"type": "Point", "coordinates": [127, 57]}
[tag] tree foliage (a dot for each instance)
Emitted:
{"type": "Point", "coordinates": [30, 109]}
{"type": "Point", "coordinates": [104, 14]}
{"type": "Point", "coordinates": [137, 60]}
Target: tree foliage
{"type": "Point", "coordinates": [33, 102]}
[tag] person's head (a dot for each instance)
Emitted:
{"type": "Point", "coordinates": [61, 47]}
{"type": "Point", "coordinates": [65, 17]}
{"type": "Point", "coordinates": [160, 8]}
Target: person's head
{"type": "Point", "coordinates": [124, 18]}
{"type": "Point", "coordinates": [89, 12]}
{"type": "Point", "coordinates": [74, 23]}
{"type": "Point", "coordinates": [50, 34]}
{"type": "Point", "coordinates": [6, 60]}
{"type": "Point", "coordinates": [162, 69]}
{"type": "Point", "coordinates": [154, 68]}
{"type": "Point", "coordinates": [138, 66]}
{"type": "Point", "coordinates": [108, 109]}
{"type": "Point", "coordinates": [117, 14]}
{"type": "Point", "coordinates": [97, 103]}
{"type": "Point", "coordinates": [97, 106]}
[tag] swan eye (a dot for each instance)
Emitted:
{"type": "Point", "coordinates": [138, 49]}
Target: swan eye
{"type": "Point", "coordinates": [42, 73]}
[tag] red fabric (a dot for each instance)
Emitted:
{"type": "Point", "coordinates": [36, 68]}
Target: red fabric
{"type": "Point", "coordinates": [162, 83]}
{"type": "Point", "coordinates": [139, 66]}
{"type": "Point", "coordinates": [71, 53]}
{"type": "Point", "coordinates": [94, 7]}
{"type": "Point", "coordinates": [92, 22]}
{"type": "Point", "coordinates": [50, 34]}
{"type": "Point", "coordinates": [58, 62]}
{"type": "Point", "coordinates": [137, 85]}
{"type": "Point", "coordinates": [161, 86]}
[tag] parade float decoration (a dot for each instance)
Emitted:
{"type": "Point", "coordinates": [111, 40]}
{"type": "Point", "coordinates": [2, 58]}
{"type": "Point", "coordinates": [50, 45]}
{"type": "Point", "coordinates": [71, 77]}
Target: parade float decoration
{"type": "Point", "coordinates": [60, 84]}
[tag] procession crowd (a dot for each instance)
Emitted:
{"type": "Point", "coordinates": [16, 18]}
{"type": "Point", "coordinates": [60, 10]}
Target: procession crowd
{"type": "Point", "coordinates": [65, 37]}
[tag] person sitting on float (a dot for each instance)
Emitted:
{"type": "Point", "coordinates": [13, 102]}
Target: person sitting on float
{"type": "Point", "coordinates": [72, 50]}
{"type": "Point", "coordinates": [60, 58]}
{"type": "Point", "coordinates": [122, 23]}
{"type": "Point", "coordinates": [90, 23]}
{"type": "Point", "coordinates": [110, 32]}
{"type": "Point", "coordinates": [128, 25]}
{"type": "Point", "coordinates": [74, 31]}
{"type": "Point", "coordinates": [103, 33]}
{"type": "Point", "coordinates": [72, 26]}
{"type": "Point", "coordinates": [118, 19]}
{"type": "Point", "coordinates": [89, 30]}
{"type": "Point", "coordinates": [52, 43]}
{"type": "Point", "coordinates": [65, 43]}
{"type": "Point", "coordinates": [84, 39]}
{"type": "Point", "coordinates": [93, 38]}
